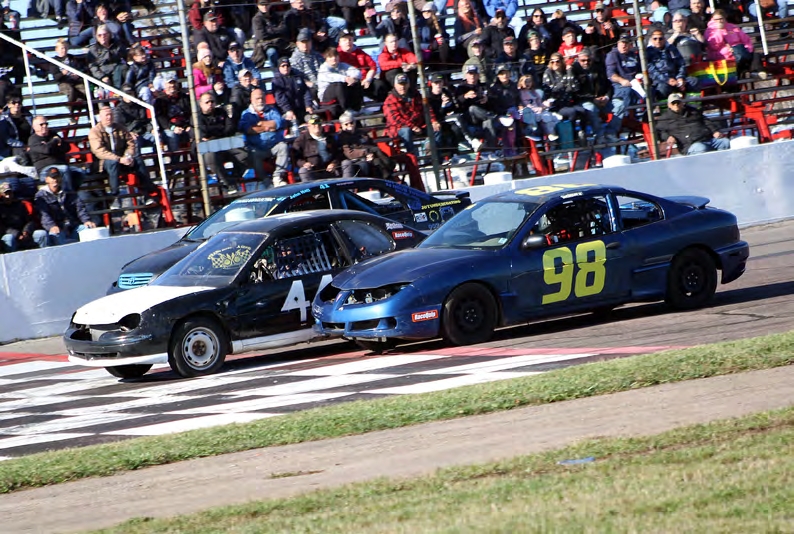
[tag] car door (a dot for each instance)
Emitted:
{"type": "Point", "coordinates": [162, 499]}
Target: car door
{"type": "Point", "coordinates": [574, 259]}
{"type": "Point", "coordinates": [278, 289]}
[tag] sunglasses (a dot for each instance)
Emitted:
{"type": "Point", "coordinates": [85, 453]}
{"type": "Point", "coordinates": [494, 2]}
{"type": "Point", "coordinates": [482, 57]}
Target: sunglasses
{"type": "Point", "coordinates": [657, 38]}
{"type": "Point", "coordinates": [554, 61]}
{"type": "Point", "coordinates": [676, 103]}
{"type": "Point", "coordinates": [537, 16]}
{"type": "Point", "coordinates": [15, 103]}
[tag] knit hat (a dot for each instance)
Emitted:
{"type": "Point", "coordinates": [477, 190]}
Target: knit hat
{"type": "Point", "coordinates": [204, 52]}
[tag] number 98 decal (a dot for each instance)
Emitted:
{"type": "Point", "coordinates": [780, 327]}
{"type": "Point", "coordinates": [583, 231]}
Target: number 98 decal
{"type": "Point", "coordinates": [589, 267]}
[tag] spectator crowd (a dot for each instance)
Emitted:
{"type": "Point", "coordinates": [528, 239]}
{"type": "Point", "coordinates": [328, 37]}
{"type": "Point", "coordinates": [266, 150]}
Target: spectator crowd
{"type": "Point", "coordinates": [494, 79]}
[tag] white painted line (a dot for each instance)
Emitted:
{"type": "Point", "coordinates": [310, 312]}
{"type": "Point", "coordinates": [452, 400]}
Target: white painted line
{"type": "Point", "coordinates": [506, 363]}
{"type": "Point", "coordinates": [19, 441]}
{"type": "Point", "coordinates": [69, 423]}
{"type": "Point", "coordinates": [368, 364]}
{"type": "Point", "coordinates": [449, 383]}
{"type": "Point", "coordinates": [110, 406]}
{"type": "Point", "coordinates": [18, 406]}
{"type": "Point", "coordinates": [71, 386]}
{"type": "Point", "coordinates": [190, 424]}
{"type": "Point", "coordinates": [30, 367]}
{"type": "Point", "coordinates": [4, 458]}
{"type": "Point", "coordinates": [312, 384]}
{"type": "Point", "coordinates": [263, 403]}
{"type": "Point", "coordinates": [184, 386]}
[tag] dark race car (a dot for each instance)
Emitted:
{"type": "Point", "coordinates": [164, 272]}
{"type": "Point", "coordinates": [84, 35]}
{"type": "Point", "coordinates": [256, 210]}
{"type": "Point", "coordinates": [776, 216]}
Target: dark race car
{"type": "Point", "coordinates": [394, 200]}
{"type": "Point", "coordinates": [536, 252]}
{"type": "Point", "coordinates": [247, 288]}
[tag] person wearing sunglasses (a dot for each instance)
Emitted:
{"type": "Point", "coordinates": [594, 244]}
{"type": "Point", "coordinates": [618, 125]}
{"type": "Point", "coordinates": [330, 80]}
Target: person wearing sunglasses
{"type": "Point", "coordinates": [686, 127]}
{"type": "Point", "coordinates": [666, 67]}
{"type": "Point", "coordinates": [728, 41]}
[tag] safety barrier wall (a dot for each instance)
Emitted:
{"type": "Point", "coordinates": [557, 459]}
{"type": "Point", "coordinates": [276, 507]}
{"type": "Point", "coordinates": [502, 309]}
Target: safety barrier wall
{"type": "Point", "coordinates": [39, 290]}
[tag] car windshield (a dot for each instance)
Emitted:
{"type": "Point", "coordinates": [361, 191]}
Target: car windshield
{"type": "Point", "coordinates": [243, 209]}
{"type": "Point", "coordinates": [484, 225]}
{"type": "Point", "coordinates": [215, 263]}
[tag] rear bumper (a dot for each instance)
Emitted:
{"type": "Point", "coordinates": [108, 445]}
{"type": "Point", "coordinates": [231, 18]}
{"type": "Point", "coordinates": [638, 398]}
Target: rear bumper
{"type": "Point", "coordinates": [733, 259]}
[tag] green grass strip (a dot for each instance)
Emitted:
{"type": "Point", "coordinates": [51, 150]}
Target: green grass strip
{"type": "Point", "coordinates": [360, 417]}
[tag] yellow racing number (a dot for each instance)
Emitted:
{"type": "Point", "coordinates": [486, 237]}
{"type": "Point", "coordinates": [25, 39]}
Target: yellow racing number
{"type": "Point", "coordinates": [591, 258]}
{"type": "Point", "coordinates": [541, 190]}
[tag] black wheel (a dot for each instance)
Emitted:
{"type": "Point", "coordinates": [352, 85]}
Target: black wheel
{"type": "Point", "coordinates": [378, 347]}
{"type": "Point", "coordinates": [198, 347]}
{"type": "Point", "coordinates": [128, 371]}
{"type": "Point", "coordinates": [469, 315]}
{"type": "Point", "coordinates": [692, 280]}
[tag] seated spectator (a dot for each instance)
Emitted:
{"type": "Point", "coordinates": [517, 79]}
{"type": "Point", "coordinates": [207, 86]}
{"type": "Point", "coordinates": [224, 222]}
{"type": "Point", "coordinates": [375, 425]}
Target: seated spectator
{"type": "Point", "coordinates": [199, 8]}
{"type": "Point", "coordinates": [518, 65]}
{"type": "Point", "coordinates": [689, 42]}
{"type": "Point", "coordinates": [141, 73]}
{"type": "Point", "coordinates": [317, 154]}
{"type": "Point", "coordinates": [560, 84]}
{"type": "Point", "coordinates": [570, 48]}
{"type": "Point", "coordinates": [504, 99]}
{"type": "Point", "coordinates": [19, 229]}
{"type": "Point", "coordinates": [106, 58]}
{"type": "Point", "coordinates": [698, 16]}
{"type": "Point", "coordinates": [48, 150]}
{"type": "Point", "coordinates": [472, 100]}
{"type": "Point", "coordinates": [216, 36]}
{"type": "Point", "coordinates": [728, 41]}
{"type": "Point", "coordinates": [135, 118]}
{"type": "Point", "coordinates": [660, 14]}
{"type": "Point", "coordinates": [81, 16]}
{"type": "Point", "coordinates": [468, 27]}
{"type": "Point", "coordinates": [356, 57]}
{"type": "Point", "coordinates": [536, 54]}
{"type": "Point", "coordinates": [666, 67]}
{"type": "Point", "coordinates": [340, 83]}
{"type": "Point", "coordinates": [593, 94]}
{"type": "Point", "coordinates": [535, 111]}
{"type": "Point", "coordinates": [353, 13]}
{"type": "Point", "coordinates": [495, 33]}
{"type": "Point", "coordinates": [306, 60]}
{"type": "Point", "coordinates": [394, 60]}
{"type": "Point", "coordinates": [215, 123]}
{"type": "Point", "coordinates": [689, 129]}
{"type": "Point", "coordinates": [69, 84]}
{"type": "Point", "coordinates": [270, 35]}
{"type": "Point", "coordinates": [781, 10]}
{"type": "Point", "coordinates": [404, 115]}
{"type": "Point", "coordinates": [62, 213]}
{"type": "Point", "coordinates": [263, 129]}
{"type": "Point", "coordinates": [11, 138]}
{"type": "Point", "coordinates": [119, 25]}
{"type": "Point", "coordinates": [395, 24]}
{"type": "Point", "coordinates": [241, 94]}
{"type": "Point", "coordinates": [362, 156]}
{"type": "Point", "coordinates": [113, 145]}
{"type": "Point", "coordinates": [622, 66]}
{"type": "Point", "coordinates": [302, 17]}
{"type": "Point", "coordinates": [237, 62]}
{"type": "Point", "coordinates": [205, 72]}
{"type": "Point", "coordinates": [293, 97]}
{"type": "Point", "coordinates": [452, 137]}
{"type": "Point", "coordinates": [478, 59]}
{"type": "Point", "coordinates": [434, 38]}
{"type": "Point", "coordinates": [602, 32]}
{"type": "Point", "coordinates": [535, 23]}
{"type": "Point", "coordinates": [172, 111]}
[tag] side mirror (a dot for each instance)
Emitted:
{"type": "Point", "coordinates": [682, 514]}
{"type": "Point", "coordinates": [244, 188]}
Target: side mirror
{"type": "Point", "coordinates": [534, 241]}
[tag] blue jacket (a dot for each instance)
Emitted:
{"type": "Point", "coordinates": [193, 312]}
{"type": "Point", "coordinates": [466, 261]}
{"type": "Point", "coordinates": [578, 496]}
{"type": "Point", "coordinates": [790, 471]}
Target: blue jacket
{"type": "Point", "coordinates": [291, 91]}
{"type": "Point", "coordinates": [140, 76]}
{"type": "Point", "coordinates": [232, 69]}
{"type": "Point", "coordinates": [64, 210]}
{"type": "Point", "coordinates": [264, 140]}
{"type": "Point", "coordinates": [665, 63]}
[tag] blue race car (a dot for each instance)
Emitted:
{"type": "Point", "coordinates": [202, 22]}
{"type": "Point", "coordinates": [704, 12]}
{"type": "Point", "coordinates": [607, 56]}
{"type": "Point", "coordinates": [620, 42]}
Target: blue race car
{"type": "Point", "coordinates": [536, 252]}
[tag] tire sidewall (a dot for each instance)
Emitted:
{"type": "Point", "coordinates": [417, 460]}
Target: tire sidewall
{"type": "Point", "coordinates": [176, 358]}
{"type": "Point", "coordinates": [449, 327]}
{"type": "Point", "coordinates": [675, 294]}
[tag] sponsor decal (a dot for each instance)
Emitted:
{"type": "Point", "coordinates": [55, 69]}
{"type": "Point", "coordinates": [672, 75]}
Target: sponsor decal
{"type": "Point", "coordinates": [424, 316]}
{"type": "Point", "coordinates": [434, 216]}
{"type": "Point", "coordinates": [405, 234]}
{"type": "Point", "coordinates": [441, 204]}
{"type": "Point", "coordinates": [393, 226]}
{"type": "Point", "coordinates": [230, 257]}
{"type": "Point", "coordinates": [420, 217]}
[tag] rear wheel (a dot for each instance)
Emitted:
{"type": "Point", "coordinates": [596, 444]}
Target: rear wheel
{"type": "Point", "coordinates": [378, 347]}
{"type": "Point", "coordinates": [692, 280]}
{"type": "Point", "coordinates": [469, 315]}
{"type": "Point", "coordinates": [198, 347]}
{"type": "Point", "coordinates": [128, 371]}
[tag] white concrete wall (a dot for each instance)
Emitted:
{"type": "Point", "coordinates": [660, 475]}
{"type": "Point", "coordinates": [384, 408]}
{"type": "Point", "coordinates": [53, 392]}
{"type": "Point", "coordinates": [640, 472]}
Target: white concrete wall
{"type": "Point", "coordinates": [39, 290]}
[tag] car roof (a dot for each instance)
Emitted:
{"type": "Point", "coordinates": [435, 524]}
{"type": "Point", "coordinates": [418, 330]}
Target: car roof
{"type": "Point", "coordinates": [299, 218]}
{"type": "Point", "coordinates": [545, 193]}
{"type": "Point", "coordinates": [291, 189]}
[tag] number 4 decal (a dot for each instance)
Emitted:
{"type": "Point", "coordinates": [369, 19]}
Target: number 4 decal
{"type": "Point", "coordinates": [296, 298]}
{"type": "Point", "coordinates": [582, 287]}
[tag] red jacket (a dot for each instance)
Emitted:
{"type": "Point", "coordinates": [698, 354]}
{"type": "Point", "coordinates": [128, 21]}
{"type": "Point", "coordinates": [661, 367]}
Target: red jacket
{"type": "Point", "coordinates": [404, 113]}
{"type": "Point", "coordinates": [389, 61]}
{"type": "Point", "coordinates": [569, 53]}
{"type": "Point", "coordinates": [359, 59]}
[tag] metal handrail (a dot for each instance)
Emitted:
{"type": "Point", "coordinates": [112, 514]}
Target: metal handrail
{"type": "Point", "coordinates": [88, 78]}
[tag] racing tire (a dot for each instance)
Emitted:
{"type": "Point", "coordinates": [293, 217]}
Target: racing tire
{"type": "Point", "coordinates": [129, 371]}
{"type": "Point", "coordinates": [378, 347]}
{"type": "Point", "coordinates": [469, 315]}
{"type": "Point", "coordinates": [692, 280]}
{"type": "Point", "coordinates": [198, 347]}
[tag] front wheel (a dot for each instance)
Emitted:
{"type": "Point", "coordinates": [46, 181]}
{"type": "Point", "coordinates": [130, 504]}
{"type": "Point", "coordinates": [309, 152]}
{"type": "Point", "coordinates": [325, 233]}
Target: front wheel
{"type": "Point", "coordinates": [469, 315]}
{"type": "Point", "coordinates": [198, 347]}
{"type": "Point", "coordinates": [128, 371]}
{"type": "Point", "coordinates": [692, 280]}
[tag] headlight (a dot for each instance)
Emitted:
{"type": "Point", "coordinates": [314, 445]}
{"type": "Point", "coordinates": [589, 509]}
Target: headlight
{"type": "Point", "coordinates": [130, 322]}
{"type": "Point", "coordinates": [358, 296]}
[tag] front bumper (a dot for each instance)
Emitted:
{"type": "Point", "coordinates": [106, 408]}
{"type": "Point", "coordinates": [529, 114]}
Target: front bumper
{"type": "Point", "coordinates": [733, 259]}
{"type": "Point", "coordinates": [123, 350]}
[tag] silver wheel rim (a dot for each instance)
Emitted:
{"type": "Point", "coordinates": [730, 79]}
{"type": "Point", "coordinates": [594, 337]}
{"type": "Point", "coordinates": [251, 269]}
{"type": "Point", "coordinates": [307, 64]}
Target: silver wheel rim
{"type": "Point", "coordinates": [200, 348]}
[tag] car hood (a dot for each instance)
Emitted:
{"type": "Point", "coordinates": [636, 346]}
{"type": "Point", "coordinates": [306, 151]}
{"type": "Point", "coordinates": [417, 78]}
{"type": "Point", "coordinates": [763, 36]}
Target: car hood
{"type": "Point", "coordinates": [159, 261]}
{"type": "Point", "coordinates": [109, 309]}
{"type": "Point", "coordinates": [409, 266]}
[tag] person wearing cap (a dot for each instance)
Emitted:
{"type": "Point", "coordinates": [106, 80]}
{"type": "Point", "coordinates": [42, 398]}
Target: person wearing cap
{"type": "Point", "coordinates": [519, 65]}
{"type": "Point", "coordinates": [303, 17]}
{"type": "Point", "coordinates": [362, 157]}
{"type": "Point", "coordinates": [235, 62]}
{"type": "Point", "coordinates": [270, 35]}
{"type": "Point", "coordinates": [15, 127]}
{"type": "Point", "coordinates": [395, 24]}
{"type": "Point", "coordinates": [495, 33]}
{"type": "Point", "coordinates": [63, 215]}
{"type": "Point", "coordinates": [536, 54]}
{"type": "Point", "coordinates": [593, 94]}
{"type": "Point", "coordinates": [215, 123]}
{"type": "Point", "coordinates": [686, 127]}
{"type": "Point", "coordinates": [468, 27]}
{"type": "Point", "coordinates": [48, 150]}
{"type": "Point", "coordinates": [19, 229]}
{"type": "Point", "coordinates": [293, 97]}
{"type": "Point", "coordinates": [356, 57]}
{"type": "Point", "coordinates": [603, 31]}
{"type": "Point", "coordinates": [445, 108]}
{"type": "Point", "coordinates": [140, 74]}
{"type": "Point", "coordinates": [471, 96]}
{"type": "Point", "coordinates": [306, 60]}
{"type": "Point", "coordinates": [318, 156]}
{"type": "Point", "coordinates": [570, 47]}
{"type": "Point", "coordinates": [263, 129]}
{"type": "Point", "coordinates": [217, 37]}
{"type": "Point", "coordinates": [172, 112]}
{"type": "Point", "coordinates": [504, 99]}
{"type": "Point", "coordinates": [198, 9]}
{"type": "Point", "coordinates": [557, 24]}
{"type": "Point", "coordinates": [478, 59]}
{"type": "Point", "coordinates": [394, 60]}
{"type": "Point", "coordinates": [560, 84]}
{"type": "Point", "coordinates": [241, 93]}
{"type": "Point", "coordinates": [404, 114]}
{"type": "Point", "coordinates": [433, 36]}
{"type": "Point", "coordinates": [666, 67]}
{"type": "Point", "coordinates": [623, 66]}
{"type": "Point", "coordinates": [106, 59]}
